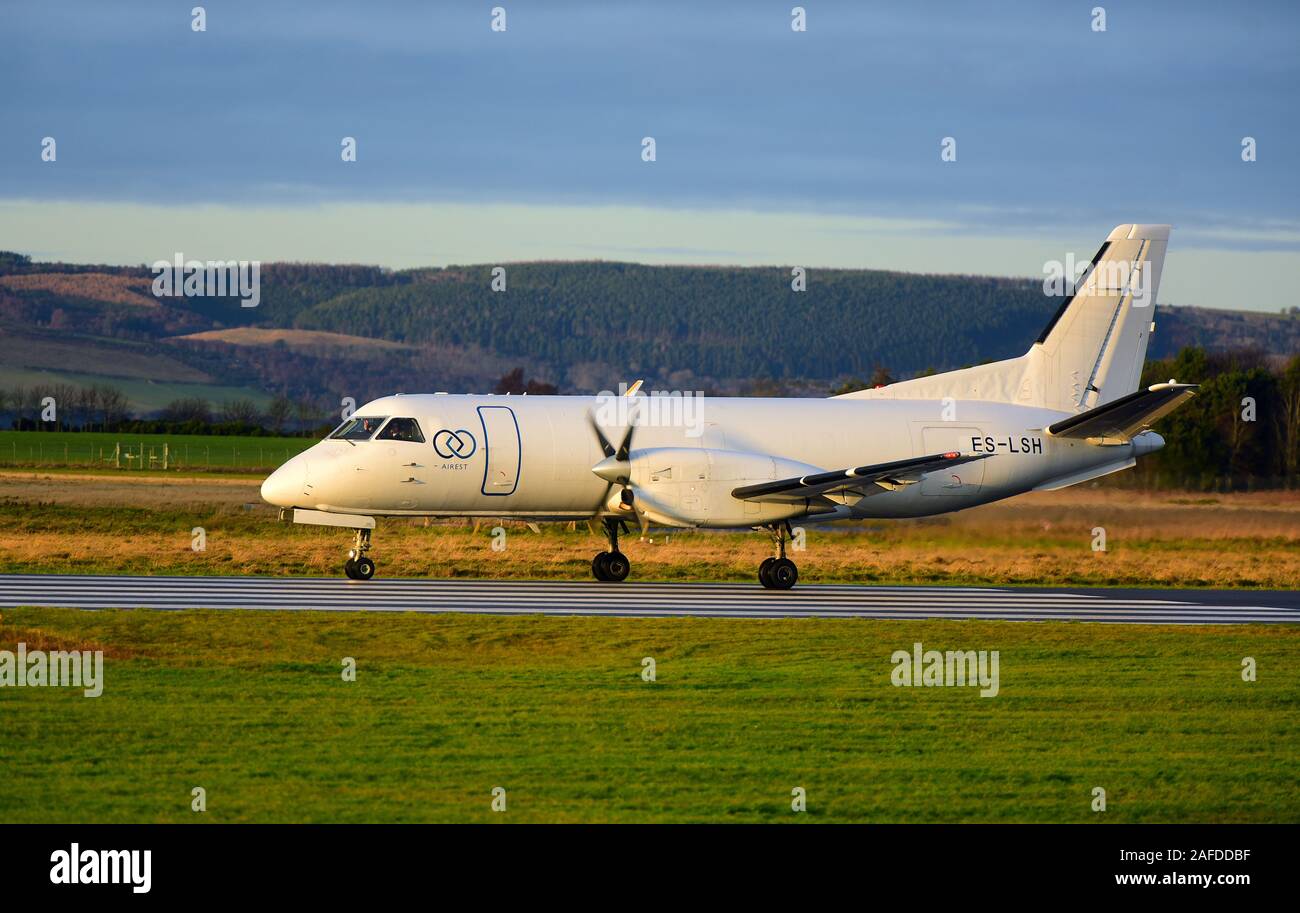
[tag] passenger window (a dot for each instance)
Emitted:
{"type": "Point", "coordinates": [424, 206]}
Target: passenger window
{"type": "Point", "coordinates": [357, 429]}
{"type": "Point", "coordinates": [402, 429]}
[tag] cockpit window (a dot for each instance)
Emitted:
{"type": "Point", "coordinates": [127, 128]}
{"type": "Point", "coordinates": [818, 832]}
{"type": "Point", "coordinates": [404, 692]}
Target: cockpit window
{"type": "Point", "coordinates": [402, 429]}
{"type": "Point", "coordinates": [358, 428]}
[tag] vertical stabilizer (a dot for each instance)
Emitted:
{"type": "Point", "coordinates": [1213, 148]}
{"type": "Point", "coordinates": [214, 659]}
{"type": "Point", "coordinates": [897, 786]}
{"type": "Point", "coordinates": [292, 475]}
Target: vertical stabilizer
{"type": "Point", "coordinates": [1092, 351]}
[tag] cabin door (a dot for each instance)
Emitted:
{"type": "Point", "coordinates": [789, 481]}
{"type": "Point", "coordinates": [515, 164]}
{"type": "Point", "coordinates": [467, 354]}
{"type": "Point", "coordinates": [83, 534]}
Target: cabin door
{"type": "Point", "coordinates": [504, 450]}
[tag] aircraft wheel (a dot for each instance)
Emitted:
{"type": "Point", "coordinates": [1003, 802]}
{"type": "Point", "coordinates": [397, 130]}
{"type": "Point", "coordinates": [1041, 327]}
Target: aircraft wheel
{"type": "Point", "coordinates": [783, 574]}
{"type": "Point", "coordinates": [617, 567]}
{"type": "Point", "coordinates": [598, 566]}
{"type": "Point", "coordinates": [363, 569]}
{"type": "Point", "coordinates": [764, 570]}
{"type": "Point", "coordinates": [350, 568]}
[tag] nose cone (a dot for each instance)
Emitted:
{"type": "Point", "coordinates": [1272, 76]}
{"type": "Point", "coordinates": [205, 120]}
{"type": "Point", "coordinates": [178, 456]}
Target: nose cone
{"type": "Point", "coordinates": [284, 487]}
{"type": "Point", "coordinates": [1147, 442]}
{"type": "Point", "coordinates": [612, 469]}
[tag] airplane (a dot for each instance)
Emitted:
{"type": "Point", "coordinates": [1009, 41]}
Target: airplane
{"type": "Point", "coordinates": [1067, 411]}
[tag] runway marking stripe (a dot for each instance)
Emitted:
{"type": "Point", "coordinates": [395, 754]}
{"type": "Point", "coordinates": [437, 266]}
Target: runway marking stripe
{"type": "Point", "coordinates": [604, 595]}
{"type": "Point", "coordinates": [194, 600]}
{"type": "Point", "coordinates": [628, 600]}
{"type": "Point", "coordinates": [801, 597]}
{"type": "Point", "coordinates": [786, 610]}
{"type": "Point", "coordinates": [181, 603]}
{"type": "Point", "coordinates": [747, 613]}
{"type": "Point", "coordinates": [369, 591]}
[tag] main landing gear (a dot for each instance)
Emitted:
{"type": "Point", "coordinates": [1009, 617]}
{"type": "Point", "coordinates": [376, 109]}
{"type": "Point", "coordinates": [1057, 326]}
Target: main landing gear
{"type": "Point", "coordinates": [358, 566]}
{"type": "Point", "coordinates": [778, 572]}
{"type": "Point", "coordinates": [611, 566]}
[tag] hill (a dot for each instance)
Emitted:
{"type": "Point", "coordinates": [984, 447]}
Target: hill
{"type": "Point", "coordinates": [323, 332]}
{"type": "Point", "coordinates": [293, 339]}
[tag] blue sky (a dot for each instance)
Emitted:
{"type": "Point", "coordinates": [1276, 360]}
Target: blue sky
{"type": "Point", "coordinates": [820, 148]}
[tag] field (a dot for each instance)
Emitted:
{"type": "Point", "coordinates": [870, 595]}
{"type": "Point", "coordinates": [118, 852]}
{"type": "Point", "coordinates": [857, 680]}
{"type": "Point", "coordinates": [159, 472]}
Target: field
{"type": "Point", "coordinates": [100, 451]}
{"type": "Point", "coordinates": [303, 339]}
{"type": "Point", "coordinates": [253, 708]}
{"type": "Point", "coordinates": [40, 357]}
{"type": "Point", "coordinates": [134, 523]}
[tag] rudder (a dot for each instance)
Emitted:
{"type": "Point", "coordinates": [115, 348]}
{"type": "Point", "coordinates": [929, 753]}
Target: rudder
{"type": "Point", "coordinates": [1093, 349]}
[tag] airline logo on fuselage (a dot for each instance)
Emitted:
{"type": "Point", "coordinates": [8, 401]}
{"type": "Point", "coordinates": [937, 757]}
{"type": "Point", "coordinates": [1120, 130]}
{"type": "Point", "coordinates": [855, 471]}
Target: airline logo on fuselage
{"type": "Point", "coordinates": [450, 444]}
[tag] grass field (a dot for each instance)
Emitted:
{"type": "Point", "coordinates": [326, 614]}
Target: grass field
{"type": "Point", "coordinates": [143, 394]}
{"type": "Point", "coordinates": [252, 707]}
{"type": "Point", "coordinates": [100, 450]}
{"type": "Point", "coordinates": [142, 524]}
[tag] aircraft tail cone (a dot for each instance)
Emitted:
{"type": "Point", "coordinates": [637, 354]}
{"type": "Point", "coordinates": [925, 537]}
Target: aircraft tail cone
{"type": "Point", "coordinates": [1147, 442]}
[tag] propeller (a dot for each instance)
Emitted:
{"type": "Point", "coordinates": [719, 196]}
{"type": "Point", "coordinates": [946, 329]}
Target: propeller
{"type": "Point", "coordinates": [616, 467]}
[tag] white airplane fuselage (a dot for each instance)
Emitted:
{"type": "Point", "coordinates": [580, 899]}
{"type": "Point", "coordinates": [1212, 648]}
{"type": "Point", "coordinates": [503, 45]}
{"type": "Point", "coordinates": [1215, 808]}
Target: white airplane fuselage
{"type": "Point", "coordinates": [532, 457]}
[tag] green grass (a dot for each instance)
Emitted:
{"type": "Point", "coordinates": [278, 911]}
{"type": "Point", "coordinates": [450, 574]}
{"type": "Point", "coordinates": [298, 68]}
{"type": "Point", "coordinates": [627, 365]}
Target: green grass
{"type": "Point", "coordinates": [95, 450]}
{"type": "Point", "coordinates": [251, 706]}
{"type": "Point", "coordinates": [142, 395]}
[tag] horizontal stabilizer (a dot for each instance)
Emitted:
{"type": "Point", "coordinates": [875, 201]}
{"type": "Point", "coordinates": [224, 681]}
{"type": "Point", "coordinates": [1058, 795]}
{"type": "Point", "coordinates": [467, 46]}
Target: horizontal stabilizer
{"type": "Point", "coordinates": [1118, 421]}
{"type": "Point", "coordinates": [886, 475]}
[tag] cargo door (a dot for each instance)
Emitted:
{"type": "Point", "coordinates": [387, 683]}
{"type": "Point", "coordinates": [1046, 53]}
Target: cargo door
{"type": "Point", "coordinates": [504, 450]}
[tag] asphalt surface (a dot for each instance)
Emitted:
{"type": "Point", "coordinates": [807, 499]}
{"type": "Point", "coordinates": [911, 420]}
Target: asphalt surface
{"type": "Point", "coordinates": [1139, 606]}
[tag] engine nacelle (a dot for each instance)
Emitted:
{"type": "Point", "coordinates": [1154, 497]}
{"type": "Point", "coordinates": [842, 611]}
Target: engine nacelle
{"type": "Point", "coordinates": [691, 486]}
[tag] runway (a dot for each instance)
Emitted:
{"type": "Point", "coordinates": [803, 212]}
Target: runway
{"type": "Point", "coordinates": [643, 600]}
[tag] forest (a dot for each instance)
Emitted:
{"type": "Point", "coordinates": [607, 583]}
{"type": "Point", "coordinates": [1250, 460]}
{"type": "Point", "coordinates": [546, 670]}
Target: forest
{"type": "Point", "coordinates": [325, 332]}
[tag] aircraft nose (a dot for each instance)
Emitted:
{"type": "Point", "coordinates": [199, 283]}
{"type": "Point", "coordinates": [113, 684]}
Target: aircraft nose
{"type": "Point", "coordinates": [284, 487]}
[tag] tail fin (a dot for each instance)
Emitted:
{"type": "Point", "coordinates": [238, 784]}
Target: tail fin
{"type": "Point", "coordinates": [1092, 351]}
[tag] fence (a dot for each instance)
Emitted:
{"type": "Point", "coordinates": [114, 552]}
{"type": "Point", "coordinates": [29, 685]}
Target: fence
{"type": "Point", "coordinates": [139, 455]}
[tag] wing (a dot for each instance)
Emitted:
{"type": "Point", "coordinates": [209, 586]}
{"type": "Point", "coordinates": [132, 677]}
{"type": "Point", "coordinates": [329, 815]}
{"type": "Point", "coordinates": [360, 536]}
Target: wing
{"type": "Point", "coordinates": [1117, 422]}
{"type": "Point", "coordinates": [885, 475]}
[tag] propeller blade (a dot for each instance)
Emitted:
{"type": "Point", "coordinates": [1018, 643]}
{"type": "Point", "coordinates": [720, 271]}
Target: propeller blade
{"type": "Point", "coordinates": [603, 498]}
{"type": "Point", "coordinates": [605, 445]}
{"type": "Point", "coordinates": [624, 447]}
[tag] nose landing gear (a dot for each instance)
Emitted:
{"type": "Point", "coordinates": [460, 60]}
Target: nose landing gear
{"type": "Point", "coordinates": [779, 572]}
{"type": "Point", "coordinates": [611, 566]}
{"type": "Point", "coordinates": [358, 566]}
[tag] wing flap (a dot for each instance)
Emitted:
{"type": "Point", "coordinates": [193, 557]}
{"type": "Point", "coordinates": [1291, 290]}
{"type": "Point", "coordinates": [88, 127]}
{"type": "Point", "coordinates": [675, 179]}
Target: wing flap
{"type": "Point", "coordinates": [885, 475]}
{"type": "Point", "coordinates": [1118, 421]}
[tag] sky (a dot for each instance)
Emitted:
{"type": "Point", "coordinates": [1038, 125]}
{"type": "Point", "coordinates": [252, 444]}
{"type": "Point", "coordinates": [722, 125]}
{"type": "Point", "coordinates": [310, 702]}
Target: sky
{"type": "Point", "coordinates": [819, 148]}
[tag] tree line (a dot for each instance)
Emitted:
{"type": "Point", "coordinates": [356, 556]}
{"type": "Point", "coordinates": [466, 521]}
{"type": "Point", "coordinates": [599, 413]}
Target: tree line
{"type": "Point", "coordinates": [99, 407]}
{"type": "Point", "coordinates": [1242, 428]}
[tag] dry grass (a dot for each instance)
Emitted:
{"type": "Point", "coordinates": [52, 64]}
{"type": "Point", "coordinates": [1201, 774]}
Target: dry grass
{"type": "Point", "coordinates": [51, 641]}
{"type": "Point", "coordinates": [125, 489]}
{"type": "Point", "coordinates": [260, 336]}
{"type": "Point", "coordinates": [93, 286]}
{"type": "Point", "coordinates": [124, 525]}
